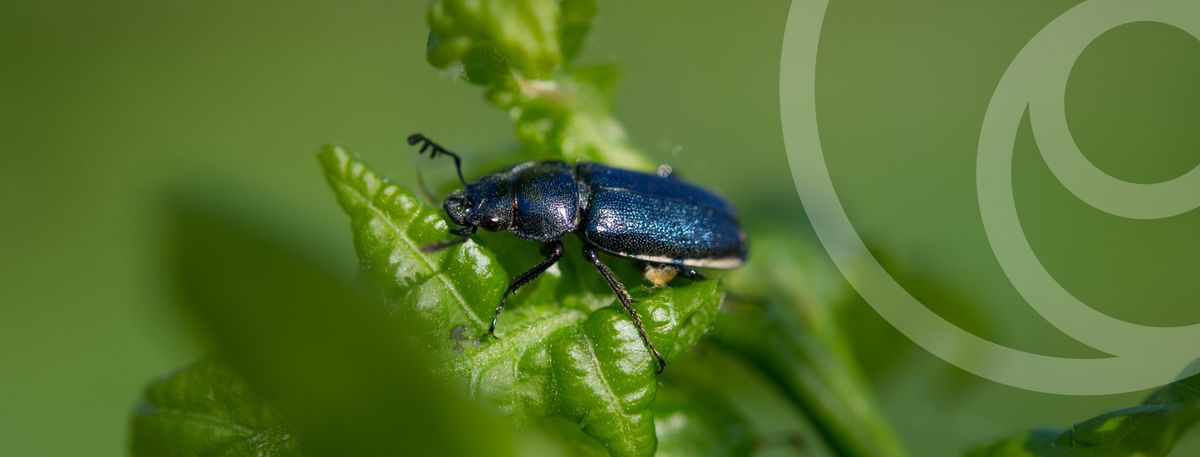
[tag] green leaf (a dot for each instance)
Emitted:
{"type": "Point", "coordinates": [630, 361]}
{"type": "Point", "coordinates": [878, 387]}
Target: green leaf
{"type": "Point", "coordinates": [561, 353]}
{"type": "Point", "coordinates": [526, 32]}
{"type": "Point", "coordinates": [1150, 429]}
{"type": "Point", "coordinates": [499, 39]}
{"type": "Point", "coordinates": [576, 23]}
{"type": "Point", "coordinates": [206, 410]}
{"type": "Point", "coordinates": [485, 65]}
{"type": "Point", "coordinates": [459, 286]}
{"type": "Point", "coordinates": [518, 50]}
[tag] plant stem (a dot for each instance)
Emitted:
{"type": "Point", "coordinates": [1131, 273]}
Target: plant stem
{"type": "Point", "coordinates": [810, 362]}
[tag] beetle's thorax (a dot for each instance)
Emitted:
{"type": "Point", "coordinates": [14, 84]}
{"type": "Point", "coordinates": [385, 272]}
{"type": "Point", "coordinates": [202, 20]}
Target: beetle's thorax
{"type": "Point", "coordinates": [546, 200]}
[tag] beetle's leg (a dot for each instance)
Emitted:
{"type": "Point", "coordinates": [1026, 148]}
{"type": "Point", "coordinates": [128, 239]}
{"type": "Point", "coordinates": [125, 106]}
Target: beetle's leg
{"type": "Point", "coordinates": [691, 274]}
{"type": "Point", "coordinates": [464, 234]}
{"type": "Point", "coordinates": [626, 301]}
{"type": "Point", "coordinates": [553, 251]}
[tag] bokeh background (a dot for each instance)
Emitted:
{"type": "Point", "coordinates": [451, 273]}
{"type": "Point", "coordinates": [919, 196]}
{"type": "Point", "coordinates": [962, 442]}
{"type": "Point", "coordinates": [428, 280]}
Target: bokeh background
{"type": "Point", "coordinates": [107, 106]}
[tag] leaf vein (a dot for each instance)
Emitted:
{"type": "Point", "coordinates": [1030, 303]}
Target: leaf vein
{"type": "Point", "coordinates": [403, 238]}
{"type": "Point", "coordinates": [202, 417]}
{"type": "Point", "coordinates": [518, 344]}
{"type": "Point", "coordinates": [611, 400]}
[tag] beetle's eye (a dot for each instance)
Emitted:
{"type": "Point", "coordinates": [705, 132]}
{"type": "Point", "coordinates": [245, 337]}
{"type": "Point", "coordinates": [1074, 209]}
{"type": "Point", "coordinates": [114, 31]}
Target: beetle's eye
{"type": "Point", "coordinates": [458, 208]}
{"type": "Point", "coordinates": [462, 204]}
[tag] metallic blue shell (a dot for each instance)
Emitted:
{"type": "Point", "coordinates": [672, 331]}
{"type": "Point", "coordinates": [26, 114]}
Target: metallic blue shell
{"type": "Point", "coordinates": [547, 205]}
{"type": "Point", "coordinates": [659, 219]}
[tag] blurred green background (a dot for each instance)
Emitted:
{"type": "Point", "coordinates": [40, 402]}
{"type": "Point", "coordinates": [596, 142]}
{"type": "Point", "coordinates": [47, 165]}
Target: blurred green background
{"type": "Point", "coordinates": [106, 106]}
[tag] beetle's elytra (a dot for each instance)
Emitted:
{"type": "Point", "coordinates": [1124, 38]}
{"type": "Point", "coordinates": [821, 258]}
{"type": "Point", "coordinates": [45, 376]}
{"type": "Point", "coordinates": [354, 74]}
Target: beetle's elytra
{"type": "Point", "coordinates": [672, 226]}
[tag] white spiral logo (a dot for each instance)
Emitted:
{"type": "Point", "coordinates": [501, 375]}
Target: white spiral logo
{"type": "Point", "coordinates": [1142, 356]}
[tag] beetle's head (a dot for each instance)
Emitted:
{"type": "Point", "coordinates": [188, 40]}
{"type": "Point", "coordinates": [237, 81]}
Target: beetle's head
{"type": "Point", "coordinates": [458, 207]}
{"type": "Point", "coordinates": [487, 203]}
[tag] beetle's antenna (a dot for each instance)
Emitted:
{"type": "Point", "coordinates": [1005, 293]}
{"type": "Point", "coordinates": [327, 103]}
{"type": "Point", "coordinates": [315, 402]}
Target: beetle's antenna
{"type": "Point", "coordinates": [435, 149]}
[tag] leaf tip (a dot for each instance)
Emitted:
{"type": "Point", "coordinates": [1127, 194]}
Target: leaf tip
{"type": "Point", "coordinates": [333, 158]}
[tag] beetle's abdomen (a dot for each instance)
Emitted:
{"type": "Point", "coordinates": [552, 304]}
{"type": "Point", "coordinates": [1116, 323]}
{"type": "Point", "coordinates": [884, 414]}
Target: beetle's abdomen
{"type": "Point", "coordinates": [662, 220]}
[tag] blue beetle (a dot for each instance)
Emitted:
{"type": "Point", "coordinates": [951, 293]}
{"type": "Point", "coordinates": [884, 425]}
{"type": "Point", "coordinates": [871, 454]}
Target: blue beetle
{"type": "Point", "coordinates": [672, 226]}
